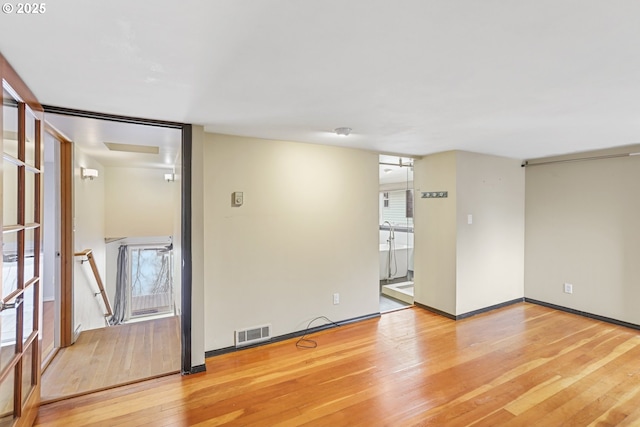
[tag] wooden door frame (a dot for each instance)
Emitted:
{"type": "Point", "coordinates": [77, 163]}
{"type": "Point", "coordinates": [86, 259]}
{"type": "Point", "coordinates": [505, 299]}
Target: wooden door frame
{"type": "Point", "coordinates": [66, 235]}
{"type": "Point", "coordinates": [27, 410]}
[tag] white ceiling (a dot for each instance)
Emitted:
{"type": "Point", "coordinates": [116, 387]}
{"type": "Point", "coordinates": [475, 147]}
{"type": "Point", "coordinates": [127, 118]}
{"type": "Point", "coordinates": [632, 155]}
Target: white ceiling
{"type": "Point", "coordinates": [91, 134]}
{"type": "Point", "coordinates": [523, 79]}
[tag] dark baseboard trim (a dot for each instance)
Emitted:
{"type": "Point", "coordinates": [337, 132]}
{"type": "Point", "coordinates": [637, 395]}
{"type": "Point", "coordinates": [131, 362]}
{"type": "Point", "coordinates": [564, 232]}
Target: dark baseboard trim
{"type": "Point", "coordinates": [584, 314]}
{"type": "Point", "coordinates": [490, 308]}
{"type": "Point", "coordinates": [296, 334]}
{"type": "Point", "coordinates": [471, 313]}
{"type": "Point", "coordinates": [435, 310]}
{"type": "Point", "coordinates": [197, 369]}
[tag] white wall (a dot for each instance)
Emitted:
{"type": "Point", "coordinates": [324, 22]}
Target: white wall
{"type": "Point", "coordinates": [139, 202]}
{"type": "Point", "coordinates": [280, 257]}
{"type": "Point", "coordinates": [461, 267]}
{"type": "Point", "coordinates": [582, 228]}
{"type": "Point", "coordinates": [89, 232]}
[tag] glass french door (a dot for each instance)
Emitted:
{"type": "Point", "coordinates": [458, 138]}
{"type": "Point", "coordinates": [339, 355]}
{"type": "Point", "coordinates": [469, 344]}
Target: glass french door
{"type": "Point", "coordinates": [21, 260]}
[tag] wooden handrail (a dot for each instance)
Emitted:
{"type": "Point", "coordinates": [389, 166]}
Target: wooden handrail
{"type": "Point", "coordinates": [89, 254]}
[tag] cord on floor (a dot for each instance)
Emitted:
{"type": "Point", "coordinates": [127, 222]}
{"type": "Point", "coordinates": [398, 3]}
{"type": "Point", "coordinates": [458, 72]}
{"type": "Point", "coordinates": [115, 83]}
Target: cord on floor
{"type": "Point", "coordinates": [305, 342]}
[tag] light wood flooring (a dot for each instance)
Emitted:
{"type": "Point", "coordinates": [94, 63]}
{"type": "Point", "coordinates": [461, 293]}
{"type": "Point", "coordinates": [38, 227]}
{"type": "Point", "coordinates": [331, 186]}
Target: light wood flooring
{"type": "Point", "coordinates": [48, 320]}
{"type": "Point", "coordinates": [104, 358]}
{"type": "Point", "coordinates": [522, 365]}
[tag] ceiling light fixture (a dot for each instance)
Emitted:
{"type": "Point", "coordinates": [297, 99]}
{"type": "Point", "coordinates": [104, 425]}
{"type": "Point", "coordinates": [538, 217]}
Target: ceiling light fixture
{"type": "Point", "coordinates": [342, 131]}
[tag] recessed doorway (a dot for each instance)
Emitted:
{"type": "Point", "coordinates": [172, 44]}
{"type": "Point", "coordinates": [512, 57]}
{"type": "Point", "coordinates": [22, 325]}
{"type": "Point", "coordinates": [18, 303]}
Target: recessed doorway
{"type": "Point", "coordinates": [126, 193]}
{"type": "Point", "coordinates": [396, 232]}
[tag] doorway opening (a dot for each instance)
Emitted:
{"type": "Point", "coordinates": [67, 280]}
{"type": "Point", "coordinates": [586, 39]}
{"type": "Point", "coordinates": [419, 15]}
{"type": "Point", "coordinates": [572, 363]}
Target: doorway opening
{"type": "Point", "coordinates": [396, 232]}
{"type": "Point", "coordinates": [126, 193]}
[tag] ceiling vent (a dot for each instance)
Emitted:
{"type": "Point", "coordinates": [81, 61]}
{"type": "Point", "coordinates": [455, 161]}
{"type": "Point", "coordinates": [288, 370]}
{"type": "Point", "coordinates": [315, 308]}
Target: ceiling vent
{"type": "Point", "coordinates": [132, 148]}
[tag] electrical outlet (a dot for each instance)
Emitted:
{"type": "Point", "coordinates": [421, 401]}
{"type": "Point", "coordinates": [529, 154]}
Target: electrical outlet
{"type": "Point", "coordinates": [568, 288]}
{"type": "Point", "coordinates": [336, 299]}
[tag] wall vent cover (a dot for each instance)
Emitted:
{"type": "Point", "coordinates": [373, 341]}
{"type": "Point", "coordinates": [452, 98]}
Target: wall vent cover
{"type": "Point", "coordinates": [253, 335]}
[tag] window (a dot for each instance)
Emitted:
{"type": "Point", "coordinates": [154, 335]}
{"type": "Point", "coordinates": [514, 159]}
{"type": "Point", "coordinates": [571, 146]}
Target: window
{"type": "Point", "coordinates": [151, 281]}
{"type": "Point", "coordinates": [398, 208]}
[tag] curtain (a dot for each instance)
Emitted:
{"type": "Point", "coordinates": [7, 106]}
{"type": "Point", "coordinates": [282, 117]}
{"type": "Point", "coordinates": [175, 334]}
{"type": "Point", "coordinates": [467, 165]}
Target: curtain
{"type": "Point", "coordinates": [120, 304]}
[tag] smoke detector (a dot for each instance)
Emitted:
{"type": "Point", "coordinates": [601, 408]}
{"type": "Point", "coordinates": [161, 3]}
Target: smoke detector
{"type": "Point", "coordinates": [342, 131]}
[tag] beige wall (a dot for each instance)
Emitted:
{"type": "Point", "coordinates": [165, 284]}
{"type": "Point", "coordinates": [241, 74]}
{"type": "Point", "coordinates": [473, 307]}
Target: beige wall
{"type": "Point", "coordinates": [139, 202]}
{"type": "Point", "coordinates": [461, 267]}
{"type": "Point", "coordinates": [435, 232]}
{"type": "Point", "coordinates": [490, 250]}
{"type": "Point", "coordinates": [307, 229]}
{"type": "Point", "coordinates": [582, 228]}
{"type": "Point", "coordinates": [89, 220]}
{"type": "Point", "coordinates": [199, 235]}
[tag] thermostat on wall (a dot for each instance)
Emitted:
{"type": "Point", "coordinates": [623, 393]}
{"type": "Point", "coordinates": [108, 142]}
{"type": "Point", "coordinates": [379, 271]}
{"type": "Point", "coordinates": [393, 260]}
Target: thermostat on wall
{"type": "Point", "coordinates": [237, 198]}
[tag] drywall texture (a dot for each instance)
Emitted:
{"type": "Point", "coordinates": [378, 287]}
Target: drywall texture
{"type": "Point", "coordinates": [308, 228]}
{"type": "Point", "coordinates": [462, 267]}
{"type": "Point", "coordinates": [582, 228]}
{"type": "Point", "coordinates": [89, 219]}
{"type": "Point", "coordinates": [490, 250]}
{"type": "Point", "coordinates": [435, 232]}
{"type": "Point", "coordinates": [139, 201]}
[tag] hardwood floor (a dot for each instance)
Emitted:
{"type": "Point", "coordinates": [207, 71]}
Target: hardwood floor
{"type": "Point", "coordinates": [48, 320]}
{"type": "Point", "coordinates": [521, 365]}
{"type": "Point", "coordinates": [104, 358]}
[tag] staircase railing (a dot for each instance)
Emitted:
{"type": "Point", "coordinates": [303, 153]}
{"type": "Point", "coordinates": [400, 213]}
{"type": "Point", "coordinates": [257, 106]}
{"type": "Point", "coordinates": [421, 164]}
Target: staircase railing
{"type": "Point", "coordinates": [88, 253]}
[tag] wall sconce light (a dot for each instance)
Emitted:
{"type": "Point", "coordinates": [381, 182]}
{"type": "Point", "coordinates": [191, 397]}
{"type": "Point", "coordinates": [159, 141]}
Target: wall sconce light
{"type": "Point", "coordinates": [169, 177]}
{"type": "Point", "coordinates": [87, 173]}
